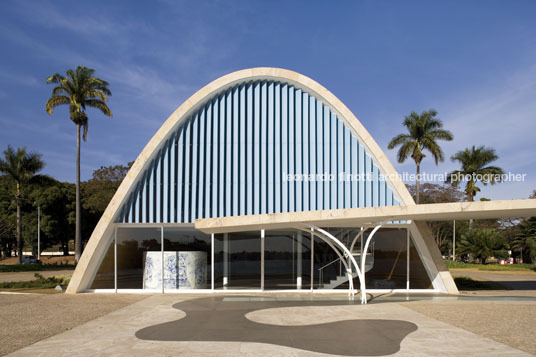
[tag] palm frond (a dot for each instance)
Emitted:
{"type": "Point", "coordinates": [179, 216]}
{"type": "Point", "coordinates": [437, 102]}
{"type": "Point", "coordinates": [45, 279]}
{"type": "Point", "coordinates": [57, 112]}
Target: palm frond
{"type": "Point", "coordinates": [398, 140]}
{"type": "Point", "coordinates": [98, 104]}
{"type": "Point", "coordinates": [54, 101]}
{"type": "Point", "coordinates": [406, 150]}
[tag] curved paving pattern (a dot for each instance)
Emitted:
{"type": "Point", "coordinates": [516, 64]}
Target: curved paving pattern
{"type": "Point", "coordinates": [212, 319]}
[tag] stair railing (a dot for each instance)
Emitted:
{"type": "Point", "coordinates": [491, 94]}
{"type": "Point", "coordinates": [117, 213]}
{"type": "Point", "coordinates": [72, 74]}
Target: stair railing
{"type": "Point", "coordinates": [321, 270]}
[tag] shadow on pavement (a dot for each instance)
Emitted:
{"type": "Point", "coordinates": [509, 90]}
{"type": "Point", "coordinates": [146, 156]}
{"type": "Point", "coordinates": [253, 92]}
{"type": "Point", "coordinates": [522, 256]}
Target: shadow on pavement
{"type": "Point", "coordinates": [213, 319]}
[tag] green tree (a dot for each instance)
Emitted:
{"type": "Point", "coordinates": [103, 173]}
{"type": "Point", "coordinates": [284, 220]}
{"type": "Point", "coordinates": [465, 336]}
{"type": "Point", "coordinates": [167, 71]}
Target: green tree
{"type": "Point", "coordinates": [57, 215]}
{"type": "Point", "coordinates": [483, 244]}
{"type": "Point", "coordinates": [7, 219]}
{"type": "Point", "coordinates": [99, 190]}
{"type": "Point", "coordinates": [21, 168]}
{"type": "Point", "coordinates": [525, 240]}
{"type": "Point", "coordinates": [424, 131]}
{"type": "Point", "coordinates": [79, 89]}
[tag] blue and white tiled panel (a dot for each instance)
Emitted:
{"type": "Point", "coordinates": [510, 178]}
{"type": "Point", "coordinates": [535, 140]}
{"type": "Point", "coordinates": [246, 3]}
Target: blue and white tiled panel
{"type": "Point", "coordinates": [182, 270]}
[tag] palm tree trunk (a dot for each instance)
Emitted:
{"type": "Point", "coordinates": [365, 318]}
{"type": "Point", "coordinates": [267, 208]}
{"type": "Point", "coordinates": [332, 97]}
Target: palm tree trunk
{"type": "Point", "coordinates": [470, 199]}
{"type": "Point", "coordinates": [19, 226]}
{"type": "Point", "coordinates": [78, 229]}
{"type": "Point", "coordinates": [418, 182]}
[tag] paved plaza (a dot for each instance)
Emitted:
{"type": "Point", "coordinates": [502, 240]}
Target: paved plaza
{"type": "Point", "coordinates": [263, 325]}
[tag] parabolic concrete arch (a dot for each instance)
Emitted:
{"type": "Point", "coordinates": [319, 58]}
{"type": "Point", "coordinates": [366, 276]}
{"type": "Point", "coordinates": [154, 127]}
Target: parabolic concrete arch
{"type": "Point", "coordinates": [153, 193]}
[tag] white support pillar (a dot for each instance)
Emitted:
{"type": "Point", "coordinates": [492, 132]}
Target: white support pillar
{"type": "Point", "coordinates": [262, 259]}
{"type": "Point", "coordinates": [453, 241]}
{"type": "Point", "coordinates": [225, 260]}
{"type": "Point", "coordinates": [299, 260]}
{"type": "Point", "coordinates": [312, 259]}
{"type": "Point", "coordinates": [212, 261]}
{"type": "Point", "coordinates": [407, 259]}
{"type": "Point", "coordinates": [162, 250]}
{"type": "Point", "coordinates": [363, 264]}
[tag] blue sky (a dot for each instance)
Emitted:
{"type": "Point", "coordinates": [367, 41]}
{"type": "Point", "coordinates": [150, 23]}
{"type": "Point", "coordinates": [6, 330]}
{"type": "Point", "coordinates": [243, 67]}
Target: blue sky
{"type": "Point", "coordinates": [473, 61]}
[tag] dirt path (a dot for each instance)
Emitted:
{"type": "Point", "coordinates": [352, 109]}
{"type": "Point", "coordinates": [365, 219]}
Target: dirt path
{"type": "Point", "coordinates": [26, 319]}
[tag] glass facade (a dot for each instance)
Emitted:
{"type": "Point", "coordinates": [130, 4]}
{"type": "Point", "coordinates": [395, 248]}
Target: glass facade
{"type": "Point", "coordinates": [136, 248]}
{"type": "Point", "coordinates": [389, 270]}
{"type": "Point", "coordinates": [418, 277]}
{"type": "Point", "coordinates": [187, 258]}
{"type": "Point", "coordinates": [171, 258]}
{"type": "Point", "coordinates": [104, 279]}
{"type": "Point", "coordinates": [287, 260]}
{"type": "Point", "coordinates": [237, 259]}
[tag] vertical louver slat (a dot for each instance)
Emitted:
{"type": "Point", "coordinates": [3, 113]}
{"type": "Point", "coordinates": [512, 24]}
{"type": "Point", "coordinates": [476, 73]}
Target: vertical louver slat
{"type": "Point", "coordinates": [234, 145]}
{"type": "Point", "coordinates": [194, 144]}
{"type": "Point", "coordinates": [362, 182]}
{"type": "Point", "coordinates": [164, 184]}
{"type": "Point", "coordinates": [241, 142]}
{"type": "Point", "coordinates": [256, 149]}
{"type": "Point", "coordinates": [277, 133]}
{"type": "Point", "coordinates": [208, 161]}
{"type": "Point", "coordinates": [333, 160]}
{"type": "Point", "coordinates": [201, 184]}
{"type": "Point", "coordinates": [221, 153]}
{"type": "Point", "coordinates": [326, 156]}
{"type": "Point", "coordinates": [347, 168]}
{"type": "Point", "coordinates": [263, 143]}
{"type": "Point", "coordinates": [312, 151]}
{"type": "Point", "coordinates": [355, 163]}
{"type": "Point", "coordinates": [172, 180]}
{"type": "Point", "coordinates": [319, 146]}
{"type": "Point", "coordinates": [215, 159]}
{"type": "Point", "coordinates": [150, 194]}
{"type": "Point", "coordinates": [270, 148]}
{"type": "Point", "coordinates": [187, 169]}
{"type": "Point", "coordinates": [228, 158]}
{"type": "Point", "coordinates": [292, 198]}
{"type": "Point", "coordinates": [306, 159]}
{"type": "Point", "coordinates": [250, 142]}
{"type": "Point", "coordinates": [299, 148]}
{"type": "Point", "coordinates": [284, 148]}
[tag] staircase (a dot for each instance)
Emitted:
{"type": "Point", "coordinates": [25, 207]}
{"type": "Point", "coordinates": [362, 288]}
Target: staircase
{"type": "Point", "coordinates": [341, 279]}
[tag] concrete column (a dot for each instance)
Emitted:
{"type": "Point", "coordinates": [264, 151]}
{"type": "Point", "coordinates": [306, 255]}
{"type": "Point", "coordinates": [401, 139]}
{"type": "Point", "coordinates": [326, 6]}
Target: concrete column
{"type": "Point", "coordinates": [262, 259]}
{"type": "Point", "coordinates": [225, 259]}
{"type": "Point", "coordinates": [299, 252]}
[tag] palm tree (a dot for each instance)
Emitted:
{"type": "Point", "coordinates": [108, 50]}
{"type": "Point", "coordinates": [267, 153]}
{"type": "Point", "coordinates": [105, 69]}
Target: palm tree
{"type": "Point", "coordinates": [79, 89]}
{"type": "Point", "coordinates": [21, 168]}
{"type": "Point", "coordinates": [424, 131]}
{"type": "Point", "coordinates": [474, 163]}
{"type": "Point", "coordinates": [474, 169]}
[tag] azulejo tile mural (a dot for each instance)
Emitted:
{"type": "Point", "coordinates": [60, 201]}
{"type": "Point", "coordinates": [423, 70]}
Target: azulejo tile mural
{"type": "Point", "coordinates": [182, 270]}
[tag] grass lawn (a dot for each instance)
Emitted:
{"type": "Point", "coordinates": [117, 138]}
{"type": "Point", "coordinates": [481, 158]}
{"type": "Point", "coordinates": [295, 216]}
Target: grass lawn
{"type": "Point", "coordinates": [12, 268]}
{"type": "Point", "coordinates": [40, 282]}
{"type": "Point", "coordinates": [491, 267]}
{"type": "Point", "coordinates": [465, 283]}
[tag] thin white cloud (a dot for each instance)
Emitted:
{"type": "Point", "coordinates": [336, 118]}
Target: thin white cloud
{"type": "Point", "coordinates": [24, 79]}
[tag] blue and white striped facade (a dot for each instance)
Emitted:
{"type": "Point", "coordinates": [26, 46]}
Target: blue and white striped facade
{"type": "Point", "coordinates": [230, 158]}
